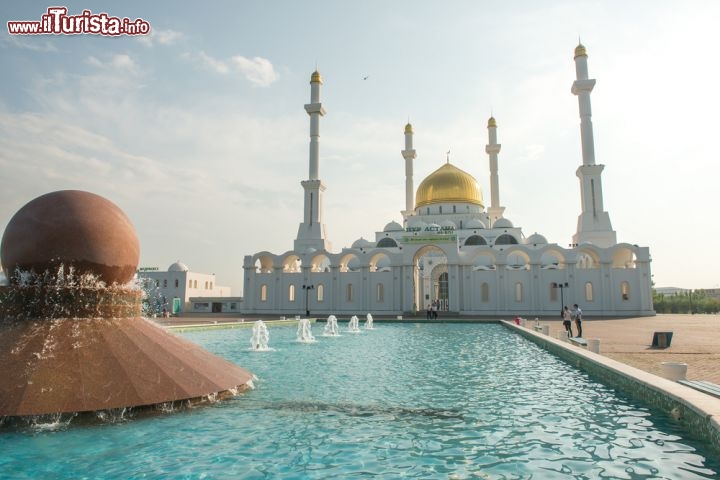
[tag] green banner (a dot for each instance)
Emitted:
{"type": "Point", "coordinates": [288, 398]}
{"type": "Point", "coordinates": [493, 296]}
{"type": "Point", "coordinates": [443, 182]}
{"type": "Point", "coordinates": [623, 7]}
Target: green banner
{"type": "Point", "coordinates": [429, 239]}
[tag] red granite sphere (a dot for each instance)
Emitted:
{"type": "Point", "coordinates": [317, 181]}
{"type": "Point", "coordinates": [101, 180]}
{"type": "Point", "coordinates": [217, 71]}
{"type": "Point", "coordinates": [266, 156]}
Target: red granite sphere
{"type": "Point", "coordinates": [72, 228]}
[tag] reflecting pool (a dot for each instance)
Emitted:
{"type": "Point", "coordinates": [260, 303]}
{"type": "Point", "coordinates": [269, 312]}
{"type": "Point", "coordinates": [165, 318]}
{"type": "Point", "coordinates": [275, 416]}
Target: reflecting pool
{"type": "Point", "coordinates": [436, 401]}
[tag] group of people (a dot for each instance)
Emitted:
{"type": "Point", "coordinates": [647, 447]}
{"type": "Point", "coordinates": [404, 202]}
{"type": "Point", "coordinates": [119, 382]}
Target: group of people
{"type": "Point", "coordinates": [432, 310]}
{"type": "Point", "coordinates": [568, 316]}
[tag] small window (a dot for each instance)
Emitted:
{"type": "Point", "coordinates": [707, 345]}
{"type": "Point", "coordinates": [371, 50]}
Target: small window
{"type": "Point", "coordinates": [291, 293]}
{"type": "Point", "coordinates": [588, 292]}
{"type": "Point", "coordinates": [440, 209]}
{"type": "Point", "coordinates": [263, 293]}
{"type": "Point", "coordinates": [157, 283]}
{"type": "Point", "coordinates": [518, 292]}
{"type": "Point", "coordinates": [189, 283]}
{"type": "Point", "coordinates": [553, 293]}
{"type": "Point", "coordinates": [210, 285]}
{"type": "Point", "coordinates": [485, 292]}
{"type": "Point", "coordinates": [380, 293]}
{"type": "Point", "coordinates": [320, 293]}
{"type": "Point", "coordinates": [349, 293]}
{"type": "Point", "coordinates": [194, 283]}
{"type": "Point", "coordinates": [165, 283]}
{"type": "Point", "coordinates": [625, 290]}
{"type": "Point", "coordinates": [177, 283]}
{"type": "Point", "coordinates": [454, 208]}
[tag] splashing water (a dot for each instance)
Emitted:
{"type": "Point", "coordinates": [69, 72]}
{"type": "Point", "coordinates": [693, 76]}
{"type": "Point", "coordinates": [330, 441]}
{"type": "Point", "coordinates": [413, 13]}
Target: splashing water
{"type": "Point", "coordinates": [353, 326]}
{"type": "Point", "coordinates": [260, 337]}
{"type": "Point", "coordinates": [369, 322]}
{"type": "Point", "coordinates": [304, 331]}
{"type": "Point", "coordinates": [331, 327]}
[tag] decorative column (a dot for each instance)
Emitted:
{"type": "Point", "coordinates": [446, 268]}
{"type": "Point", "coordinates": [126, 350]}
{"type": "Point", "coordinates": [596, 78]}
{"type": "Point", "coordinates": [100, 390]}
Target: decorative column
{"type": "Point", "coordinates": [492, 149]}
{"type": "Point", "coordinates": [593, 223]}
{"type": "Point", "coordinates": [409, 155]}
{"type": "Point", "coordinates": [311, 232]}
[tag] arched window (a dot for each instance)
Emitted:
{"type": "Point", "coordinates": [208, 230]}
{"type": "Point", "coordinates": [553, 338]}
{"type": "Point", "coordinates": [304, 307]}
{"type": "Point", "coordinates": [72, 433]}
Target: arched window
{"type": "Point", "coordinates": [263, 293]}
{"type": "Point", "coordinates": [177, 283]}
{"type": "Point", "coordinates": [485, 292]}
{"type": "Point", "coordinates": [349, 293]}
{"type": "Point", "coordinates": [210, 285]}
{"type": "Point", "coordinates": [206, 285]}
{"type": "Point", "coordinates": [506, 239]}
{"type": "Point", "coordinates": [625, 290]}
{"type": "Point", "coordinates": [518, 292]}
{"type": "Point", "coordinates": [380, 293]}
{"type": "Point", "coordinates": [320, 293]}
{"type": "Point", "coordinates": [475, 240]}
{"type": "Point", "coordinates": [588, 292]}
{"type": "Point", "coordinates": [194, 283]}
{"type": "Point", "coordinates": [387, 242]}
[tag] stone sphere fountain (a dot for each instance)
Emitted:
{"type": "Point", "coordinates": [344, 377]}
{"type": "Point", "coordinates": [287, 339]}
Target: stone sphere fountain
{"type": "Point", "coordinates": [72, 338]}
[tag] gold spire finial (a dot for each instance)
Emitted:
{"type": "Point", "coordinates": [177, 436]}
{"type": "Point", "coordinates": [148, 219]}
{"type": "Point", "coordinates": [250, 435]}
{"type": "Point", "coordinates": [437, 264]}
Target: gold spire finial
{"type": "Point", "coordinates": [316, 78]}
{"type": "Point", "coordinates": [580, 51]}
{"type": "Point", "coordinates": [408, 128]}
{"type": "Point", "coordinates": [492, 123]}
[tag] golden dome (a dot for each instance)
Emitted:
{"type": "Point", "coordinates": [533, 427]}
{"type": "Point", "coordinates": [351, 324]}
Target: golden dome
{"type": "Point", "coordinates": [492, 122]}
{"type": "Point", "coordinates": [316, 78]}
{"type": "Point", "coordinates": [580, 51]}
{"type": "Point", "coordinates": [448, 184]}
{"type": "Point", "coordinates": [408, 128]}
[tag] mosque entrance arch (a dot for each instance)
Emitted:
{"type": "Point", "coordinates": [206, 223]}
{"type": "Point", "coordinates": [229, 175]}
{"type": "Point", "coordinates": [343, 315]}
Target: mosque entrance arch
{"type": "Point", "coordinates": [430, 278]}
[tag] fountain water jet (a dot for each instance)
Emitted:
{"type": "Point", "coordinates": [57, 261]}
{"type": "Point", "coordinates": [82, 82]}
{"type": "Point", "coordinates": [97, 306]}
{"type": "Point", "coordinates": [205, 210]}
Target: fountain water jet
{"type": "Point", "coordinates": [260, 337]}
{"type": "Point", "coordinates": [353, 325]}
{"type": "Point", "coordinates": [331, 327]}
{"type": "Point", "coordinates": [369, 322]}
{"type": "Point", "coordinates": [304, 331]}
{"type": "Point", "coordinates": [72, 338]}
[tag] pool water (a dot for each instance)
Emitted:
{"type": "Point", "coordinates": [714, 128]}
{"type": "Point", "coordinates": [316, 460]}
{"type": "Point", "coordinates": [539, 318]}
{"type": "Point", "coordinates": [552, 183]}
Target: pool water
{"type": "Point", "coordinates": [437, 401]}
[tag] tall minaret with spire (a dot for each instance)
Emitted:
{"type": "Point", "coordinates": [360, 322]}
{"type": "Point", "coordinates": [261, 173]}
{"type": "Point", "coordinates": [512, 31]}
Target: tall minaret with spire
{"type": "Point", "coordinates": [311, 233]}
{"type": "Point", "coordinates": [594, 222]}
{"type": "Point", "coordinates": [495, 211]}
{"type": "Point", "coordinates": [409, 155]}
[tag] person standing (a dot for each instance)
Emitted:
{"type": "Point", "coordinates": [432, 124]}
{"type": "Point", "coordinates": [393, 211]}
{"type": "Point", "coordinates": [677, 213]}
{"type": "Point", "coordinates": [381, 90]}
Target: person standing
{"type": "Point", "coordinates": [567, 321]}
{"type": "Point", "coordinates": [578, 319]}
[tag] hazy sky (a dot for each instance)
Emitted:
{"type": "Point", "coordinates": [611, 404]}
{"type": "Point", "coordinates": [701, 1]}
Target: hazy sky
{"type": "Point", "coordinates": [198, 131]}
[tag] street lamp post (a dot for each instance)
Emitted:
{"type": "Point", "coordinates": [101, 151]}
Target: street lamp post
{"type": "Point", "coordinates": [307, 289]}
{"type": "Point", "coordinates": [561, 286]}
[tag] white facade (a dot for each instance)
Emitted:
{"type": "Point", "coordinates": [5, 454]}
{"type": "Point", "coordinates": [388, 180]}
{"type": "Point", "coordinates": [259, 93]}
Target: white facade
{"type": "Point", "coordinates": [451, 249]}
{"type": "Point", "coordinates": [175, 286]}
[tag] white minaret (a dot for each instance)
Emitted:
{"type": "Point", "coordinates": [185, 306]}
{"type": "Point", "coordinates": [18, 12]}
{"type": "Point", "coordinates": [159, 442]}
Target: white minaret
{"type": "Point", "coordinates": [409, 155]}
{"type": "Point", "coordinates": [311, 233]}
{"type": "Point", "coordinates": [593, 223]}
{"type": "Point", "coordinates": [492, 149]}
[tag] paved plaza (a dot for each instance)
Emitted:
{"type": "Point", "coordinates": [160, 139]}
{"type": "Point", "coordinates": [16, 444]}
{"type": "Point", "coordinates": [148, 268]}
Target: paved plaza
{"type": "Point", "coordinates": [695, 341]}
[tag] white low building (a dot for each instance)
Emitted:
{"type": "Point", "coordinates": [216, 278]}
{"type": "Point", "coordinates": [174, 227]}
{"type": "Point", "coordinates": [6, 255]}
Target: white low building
{"type": "Point", "coordinates": [180, 290]}
{"type": "Point", "coordinates": [453, 249]}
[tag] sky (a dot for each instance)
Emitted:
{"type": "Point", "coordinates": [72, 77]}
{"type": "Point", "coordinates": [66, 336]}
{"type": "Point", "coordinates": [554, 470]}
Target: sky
{"type": "Point", "coordinates": [198, 132]}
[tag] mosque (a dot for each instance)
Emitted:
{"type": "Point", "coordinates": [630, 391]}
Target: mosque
{"type": "Point", "coordinates": [454, 250]}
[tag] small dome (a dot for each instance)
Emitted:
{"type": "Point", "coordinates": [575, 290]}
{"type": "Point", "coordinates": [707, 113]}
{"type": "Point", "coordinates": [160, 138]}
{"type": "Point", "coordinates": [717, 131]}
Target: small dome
{"type": "Point", "coordinates": [448, 224]}
{"type": "Point", "coordinates": [178, 267]}
{"type": "Point", "coordinates": [492, 123]}
{"type": "Point", "coordinates": [536, 239]}
{"type": "Point", "coordinates": [580, 51]}
{"type": "Point", "coordinates": [408, 128]}
{"type": "Point", "coordinates": [502, 223]}
{"type": "Point", "coordinates": [316, 78]}
{"type": "Point", "coordinates": [393, 227]}
{"type": "Point", "coordinates": [362, 243]}
{"type": "Point", "coordinates": [448, 184]}
{"type": "Point", "coordinates": [474, 224]}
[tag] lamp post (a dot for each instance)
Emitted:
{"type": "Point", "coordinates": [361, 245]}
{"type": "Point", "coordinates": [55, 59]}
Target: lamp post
{"type": "Point", "coordinates": [561, 286]}
{"type": "Point", "coordinates": [307, 289]}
